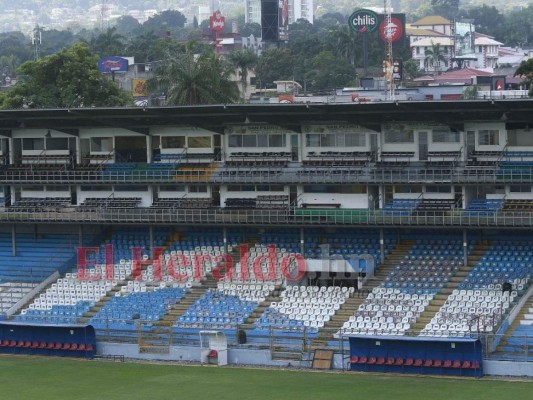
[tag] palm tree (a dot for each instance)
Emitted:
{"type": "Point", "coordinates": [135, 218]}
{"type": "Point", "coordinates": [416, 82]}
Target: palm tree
{"type": "Point", "coordinates": [346, 43]}
{"type": "Point", "coordinates": [243, 60]}
{"type": "Point", "coordinates": [189, 79]}
{"type": "Point", "coordinates": [108, 43]}
{"type": "Point", "coordinates": [434, 56]}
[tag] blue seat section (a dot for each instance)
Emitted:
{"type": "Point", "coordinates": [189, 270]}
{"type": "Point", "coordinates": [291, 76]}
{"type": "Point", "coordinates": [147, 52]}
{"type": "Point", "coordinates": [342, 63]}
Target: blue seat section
{"type": "Point", "coordinates": [400, 207]}
{"type": "Point", "coordinates": [217, 310]}
{"type": "Point", "coordinates": [123, 241]}
{"type": "Point", "coordinates": [345, 243]}
{"type": "Point", "coordinates": [483, 207]}
{"type": "Point", "coordinates": [58, 314]}
{"type": "Point", "coordinates": [428, 266]}
{"type": "Point", "coordinates": [198, 237]}
{"type": "Point", "coordinates": [119, 312]}
{"type": "Point", "coordinates": [286, 330]}
{"type": "Point", "coordinates": [36, 258]}
{"type": "Point", "coordinates": [288, 239]}
{"type": "Point", "coordinates": [505, 260]}
{"type": "Point", "coordinates": [274, 318]}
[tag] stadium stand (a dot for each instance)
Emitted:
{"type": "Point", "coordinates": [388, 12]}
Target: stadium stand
{"type": "Point", "coordinates": [399, 238]}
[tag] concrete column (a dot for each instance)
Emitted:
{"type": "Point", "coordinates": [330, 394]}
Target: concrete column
{"type": "Point", "coordinates": [302, 241]}
{"type": "Point", "coordinates": [465, 248]}
{"type": "Point", "coordinates": [13, 240]}
{"type": "Point", "coordinates": [225, 239]}
{"type": "Point", "coordinates": [151, 233]}
{"type": "Point", "coordinates": [382, 245]}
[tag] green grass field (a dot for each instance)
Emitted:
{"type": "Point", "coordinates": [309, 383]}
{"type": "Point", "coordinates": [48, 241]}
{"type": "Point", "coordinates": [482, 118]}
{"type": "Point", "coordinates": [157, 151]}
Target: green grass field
{"type": "Point", "coordinates": [43, 378]}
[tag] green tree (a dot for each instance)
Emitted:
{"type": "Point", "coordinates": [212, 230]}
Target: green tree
{"type": "Point", "coordinates": [54, 41]}
{"type": "Point", "coordinates": [525, 71]}
{"type": "Point", "coordinates": [67, 79]}
{"type": "Point", "coordinates": [488, 20]}
{"type": "Point", "coordinates": [244, 60]}
{"type": "Point", "coordinates": [345, 43]}
{"type": "Point", "coordinates": [166, 23]}
{"type": "Point", "coordinates": [187, 78]}
{"type": "Point", "coordinates": [446, 8]}
{"type": "Point", "coordinates": [16, 44]}
{"type": "Point", "coordinates": [274, 64]}
{"type": "Point", "coordinates": [108, 43]}
{"type": "Point", "coordinates": [519, 27]}
{"type": "Point", "coordinates": [434, 56]}
{"type": "Point", "coordinates": [127, 26]}
{"type": "Point", "coordinates": [251, 28]}
{"type": "Point", "coordinates": [411, 70]}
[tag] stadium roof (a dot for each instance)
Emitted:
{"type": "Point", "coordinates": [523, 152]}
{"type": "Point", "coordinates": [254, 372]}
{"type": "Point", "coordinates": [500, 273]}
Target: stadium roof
{"type": "Point", "coordinates": [290, 116]}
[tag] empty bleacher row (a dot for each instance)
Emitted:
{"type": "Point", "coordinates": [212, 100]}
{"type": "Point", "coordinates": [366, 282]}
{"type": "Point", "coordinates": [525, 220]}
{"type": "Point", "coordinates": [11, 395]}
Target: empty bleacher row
{"type": "Point", "coordinates": [259, 158]}
{"type": "Point", "coordinates": [95, 203]}
{"type": "Point", "coordinates": [178, 203]}
{"type": "Point", "coordinates": [261, 201]}
{"type": "Point", "coordinates": [40, 203]}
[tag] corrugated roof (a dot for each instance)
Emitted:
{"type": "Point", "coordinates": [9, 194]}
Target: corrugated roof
{"type": "Point", "coordinates": [484, 41]}
{"type": "Point", "coordinates": [410, 31]}
{"type": "Point", "coordinates": [463, 75]}
{"type": "Point", "coordinates": [443, 41]}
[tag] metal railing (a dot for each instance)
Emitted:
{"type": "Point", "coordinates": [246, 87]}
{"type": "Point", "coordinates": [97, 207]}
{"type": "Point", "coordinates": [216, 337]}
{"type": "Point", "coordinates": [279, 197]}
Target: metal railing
{"type": "Point", "coordinates": [287, 216]}
{"type": "Point", "coordinates": [279, 175]}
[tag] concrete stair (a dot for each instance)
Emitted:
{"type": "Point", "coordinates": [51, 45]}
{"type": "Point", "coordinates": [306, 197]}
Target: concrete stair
{"type": "Point", "coordinates": [274, 296]}
{"type": "Point", "coordinates": [351, 305]}
{"type": "Point", "coordinates": [440, 298]}
{"type": "Point", "coordinates": [526, 309]}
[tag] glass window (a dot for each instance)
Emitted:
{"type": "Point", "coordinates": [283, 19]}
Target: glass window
{"type": "Point", "coordinates": [33, 144]}
{"type": "Point", "coordinates": [172, 188]}
{"type": "Point", "coordinates": [199, 142]}
{"type": "Point", "coordinates": [399, 136]}
{"type": "Point", "coordinates": [101, 144]}
{"type": "Point", "coordinates": [276, 140]}
{"type": "Point", "coordinates": [312, 140]}
{"type": "Point", "coordinates": [339, 140]}
{"type": "Point", "coordinates": [438, 189]}
{"type": "Point", "coordinates": [407, 189]}
{"type": "Point", "coordinates": [57, 144]}
{"type": "Point", "coordinates": [318, 189]}
{"type": "Point", "coordinates": [352, 189]}
{"type": "Point", "coordinates": [173, 142]}
{"type": "Point", "coordinates": [446, 136]}
{"type": "Point", "coordinates": [262, 140]}
{"type": "Point", "coordinates": [198, 189]}
{"type": "Point", "coordinates": [89, 188]}
{"type": "Point", "coordinates": [327, 140]}
{"type": "Point", "coordinates": [520, 188]}
{"type": "Point", "coordinates": [249, 141]}
{"type": "Point", "coordinates": [131, 188]}
{"type": "Point", "coordinates": [355, 139]}
{"type": "Point", "coordinates": [235, 141]}
{"type": "Point", "coordinates": [489, 137]}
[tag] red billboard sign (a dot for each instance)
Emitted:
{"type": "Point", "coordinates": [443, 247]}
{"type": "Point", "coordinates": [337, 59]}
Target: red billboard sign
{"type": "Point", "coordinates": [217, 22]}
{"type": "Point", "coordinates": [392, 30]}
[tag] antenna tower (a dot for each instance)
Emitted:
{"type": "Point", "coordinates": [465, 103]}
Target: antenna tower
{"type": "Point", "coordinates": [36, 40]}
{"type": "Point", "coordinates": [389, 55]}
